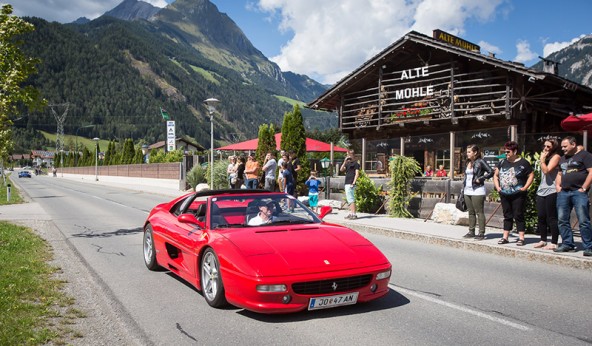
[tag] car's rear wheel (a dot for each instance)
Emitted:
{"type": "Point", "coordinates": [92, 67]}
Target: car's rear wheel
{"type": "Point", "coordinates": [149, 250]}
{"type": "Point", "coordinates": [211, 280]}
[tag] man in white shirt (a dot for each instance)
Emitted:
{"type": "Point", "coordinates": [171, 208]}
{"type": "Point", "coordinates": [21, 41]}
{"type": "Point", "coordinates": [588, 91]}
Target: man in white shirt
{"type": "Point", "coordinates": [264, 216]}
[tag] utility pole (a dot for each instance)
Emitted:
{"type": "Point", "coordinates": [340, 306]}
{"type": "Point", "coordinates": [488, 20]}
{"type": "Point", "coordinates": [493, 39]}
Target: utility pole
{"type": "Point", "coordinates": [60, 120]}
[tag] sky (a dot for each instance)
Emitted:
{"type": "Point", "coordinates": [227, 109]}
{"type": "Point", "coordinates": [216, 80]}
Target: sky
{"type": "Point", "coordinates": [328, 39]}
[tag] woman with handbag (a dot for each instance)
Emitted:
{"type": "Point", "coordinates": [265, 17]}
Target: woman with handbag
{"type": "Point", "coordinates": [474, 190]}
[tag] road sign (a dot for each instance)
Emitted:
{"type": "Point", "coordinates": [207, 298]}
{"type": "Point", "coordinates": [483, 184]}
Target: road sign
{"type": "Point", "coordinates": [171, 135]}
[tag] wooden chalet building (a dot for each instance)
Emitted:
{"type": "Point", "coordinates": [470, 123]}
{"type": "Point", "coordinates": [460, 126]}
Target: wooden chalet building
{"type": "Point", "coordinates": [430, 97]}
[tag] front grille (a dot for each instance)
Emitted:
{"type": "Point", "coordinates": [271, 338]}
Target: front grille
{"type": "Point", "coordinates": [332, 286]}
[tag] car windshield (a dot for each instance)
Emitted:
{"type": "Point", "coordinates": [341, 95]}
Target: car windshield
{"type": "Point", "coordinates": [259, 210]}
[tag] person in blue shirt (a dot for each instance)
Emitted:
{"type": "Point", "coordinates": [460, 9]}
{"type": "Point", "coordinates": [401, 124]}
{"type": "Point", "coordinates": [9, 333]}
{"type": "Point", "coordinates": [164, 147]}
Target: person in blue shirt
{"type": "Point", "coordinates": [313, 191]}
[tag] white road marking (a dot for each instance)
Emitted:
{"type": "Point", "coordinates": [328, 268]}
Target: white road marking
{"type": "Point", "coordinates": [460, 308]}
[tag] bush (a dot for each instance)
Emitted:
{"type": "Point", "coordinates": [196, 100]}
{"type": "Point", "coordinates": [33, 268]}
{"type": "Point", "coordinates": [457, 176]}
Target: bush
{"type": "Point", "coordinates": [403, 170]}
{"type": "Point", "coordinates": [220, 177]}
{"type": "Point", "coordinates": [368, 198]}
{"type": "Point", "coordinates": [196, 176]}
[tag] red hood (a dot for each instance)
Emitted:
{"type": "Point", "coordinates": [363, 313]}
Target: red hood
{"type": "Point", "coordinates": [277, 251]}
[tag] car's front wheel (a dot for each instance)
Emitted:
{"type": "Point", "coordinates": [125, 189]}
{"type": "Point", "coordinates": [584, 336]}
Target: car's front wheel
{"type": "Point", "coordinates": [149, 250]}
{"type": "Point", "coordinates": [211, 280]}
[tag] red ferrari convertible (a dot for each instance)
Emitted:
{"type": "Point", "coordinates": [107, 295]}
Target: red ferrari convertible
{"type": "Point", "coordinates": [263, 251]}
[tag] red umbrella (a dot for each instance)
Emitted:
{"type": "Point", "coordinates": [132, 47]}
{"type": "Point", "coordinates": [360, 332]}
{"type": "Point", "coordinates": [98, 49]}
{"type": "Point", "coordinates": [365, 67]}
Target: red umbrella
{"type": "Point", "coordinates": [578, 122]}
{"type": "Point", "coordinates": [311, 145]}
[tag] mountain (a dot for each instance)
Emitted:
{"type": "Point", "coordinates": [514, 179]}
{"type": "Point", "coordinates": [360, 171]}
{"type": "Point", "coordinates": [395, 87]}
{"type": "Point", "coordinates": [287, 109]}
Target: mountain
{"type": "Point", "coordinates": [116, 74]}
{"type": "Point", "coordinates": [81, 20]}
{"type": "Point", "coordinates": [218, 38]}
{"type": "Point", "coordinates": [575, 61]}
{"type": "Point", "coordinates": [133, 9]}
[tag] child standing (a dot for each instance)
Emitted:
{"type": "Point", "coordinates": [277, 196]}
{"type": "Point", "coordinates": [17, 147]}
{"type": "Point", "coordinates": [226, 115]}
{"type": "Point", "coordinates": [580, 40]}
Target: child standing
{"type": "Point", "coordinates": [313, 191]}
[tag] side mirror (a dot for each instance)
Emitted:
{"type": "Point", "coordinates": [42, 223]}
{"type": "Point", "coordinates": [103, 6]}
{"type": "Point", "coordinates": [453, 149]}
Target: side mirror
{"type": "Point", "coordinates": [191, 219]}
{"type": "Point", "coordinates": [324, 211]}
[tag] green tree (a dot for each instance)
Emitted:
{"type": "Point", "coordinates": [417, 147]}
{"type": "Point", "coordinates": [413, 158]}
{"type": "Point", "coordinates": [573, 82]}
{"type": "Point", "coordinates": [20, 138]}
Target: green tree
{"type": "Point", "coordinates": [109, 153]}
{"type": "Point", "coordinates": [128, 153]}
{"type": "Point", "coordinates": [15, 69]}
{"type": "Point", "coordinates": [139, 156]}
{"type": "Point", "coordinates": [266, 142]}
{"type": "Point", "coordinates": [87, 157]}
{"type": "Point", "coordinates": [294, 140]}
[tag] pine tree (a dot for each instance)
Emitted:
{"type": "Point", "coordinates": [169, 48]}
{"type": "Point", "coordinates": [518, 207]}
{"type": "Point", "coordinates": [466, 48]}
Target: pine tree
{"type": "Point", "coordinates": [266, 143]}
{"type": "Point", "coordinates": [128, 152]}
{"type": "Point", "coordinates": [294, 140]}
{"type": "Point", "coordinates": [139, 156]}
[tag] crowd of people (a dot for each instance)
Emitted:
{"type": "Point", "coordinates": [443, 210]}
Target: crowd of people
{"type": "Point", "coordinates": [246, 173]}
{"type": "Point", "coordinates": [566, 178]}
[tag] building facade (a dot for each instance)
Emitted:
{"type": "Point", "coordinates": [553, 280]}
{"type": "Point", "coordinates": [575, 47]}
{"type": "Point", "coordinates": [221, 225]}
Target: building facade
{"type": "Point", "coordinates": [430, 97]}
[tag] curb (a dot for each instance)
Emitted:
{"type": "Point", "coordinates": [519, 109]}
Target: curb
{"type": "Point", "coordinates": [526, 254]}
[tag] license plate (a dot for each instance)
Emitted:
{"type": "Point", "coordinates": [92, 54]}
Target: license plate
{"type": "Point", "coordinates": [332, 301]}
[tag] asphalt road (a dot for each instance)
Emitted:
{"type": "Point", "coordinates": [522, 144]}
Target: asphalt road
{"type": "Point", "coordinates": [439, 295]}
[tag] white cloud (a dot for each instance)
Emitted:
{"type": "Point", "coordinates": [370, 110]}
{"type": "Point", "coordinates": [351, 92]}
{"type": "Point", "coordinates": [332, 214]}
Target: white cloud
{"type": "Point", "coordinates": [66, 11]}
{"type": "Point", "coordinates": [524, 54]}
{"type": "Point", "coordinates": [488, 47]}
{"type": "Point", "coordinates": [333, 37]}
{"type": "Point", "coordinates": [552, 47]}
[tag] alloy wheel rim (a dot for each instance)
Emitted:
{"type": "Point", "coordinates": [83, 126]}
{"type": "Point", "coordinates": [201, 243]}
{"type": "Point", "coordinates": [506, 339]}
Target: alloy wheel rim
{"type": "Point", "coordinates": [210, 276]}
{"type": "Point", "coordinates": [148, 247]}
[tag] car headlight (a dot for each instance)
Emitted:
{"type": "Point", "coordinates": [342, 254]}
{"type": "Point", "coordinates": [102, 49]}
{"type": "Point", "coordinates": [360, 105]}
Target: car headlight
{"type": "Point", "coordinates": [383, 275]}
{"type": "Point", "coordinates": [272, 288]}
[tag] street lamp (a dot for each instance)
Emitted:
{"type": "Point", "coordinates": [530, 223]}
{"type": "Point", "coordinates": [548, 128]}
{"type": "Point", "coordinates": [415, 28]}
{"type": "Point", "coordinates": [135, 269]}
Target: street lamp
{"type": "Point", "coordinates": [211, 105]}
{"type": "Point", "coordinates": [76, 149]}
{"type": "Point", "coordinates": [325, 163]}
{"type": "Point", "coordinates": [96, 139]}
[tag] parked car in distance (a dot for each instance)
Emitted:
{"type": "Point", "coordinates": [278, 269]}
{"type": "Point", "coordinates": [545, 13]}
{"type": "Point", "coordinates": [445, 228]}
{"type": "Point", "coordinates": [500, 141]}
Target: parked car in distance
{"type": "Point", "coordinates": [24, 174]}
{"type": "Point", "coordinates": [263, 251]}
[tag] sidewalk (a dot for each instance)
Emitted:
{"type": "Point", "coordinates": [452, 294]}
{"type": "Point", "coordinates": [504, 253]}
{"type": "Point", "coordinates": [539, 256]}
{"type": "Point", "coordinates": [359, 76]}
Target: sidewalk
{"type": "Point", "coordinates": [410, 229]}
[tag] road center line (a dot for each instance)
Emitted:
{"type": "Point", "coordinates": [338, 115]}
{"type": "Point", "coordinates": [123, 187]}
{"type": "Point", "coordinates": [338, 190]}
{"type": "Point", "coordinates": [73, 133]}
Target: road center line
{"type": "Point", "coordinates": [460, 308]}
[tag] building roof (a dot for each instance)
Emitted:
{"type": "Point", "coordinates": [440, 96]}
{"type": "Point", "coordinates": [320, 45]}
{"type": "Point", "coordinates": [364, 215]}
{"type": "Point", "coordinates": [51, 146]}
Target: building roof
{"type": "Point", "coordinates": [162, 144]}
{"type": "Point", "coordinates": [42, 154]}
{"type": "Point", "coordinates": [15, 157]}
{"type": "Point", "coordinates": [329, 100]}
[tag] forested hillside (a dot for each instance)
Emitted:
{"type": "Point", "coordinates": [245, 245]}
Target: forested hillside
{"type": "Point", "coordinates": [575, 61]}
{"type": "Point", "coordinates": [117, 74]}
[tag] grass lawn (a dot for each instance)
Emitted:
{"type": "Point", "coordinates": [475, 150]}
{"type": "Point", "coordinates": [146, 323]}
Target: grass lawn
{"type": "Point", "coordinates": [15, 197]}
{"type": "Point", "coordinates": [34, 309]}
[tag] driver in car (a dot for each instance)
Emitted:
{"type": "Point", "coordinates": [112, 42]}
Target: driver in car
{"type": "Point", "coordinates": [264, 216]}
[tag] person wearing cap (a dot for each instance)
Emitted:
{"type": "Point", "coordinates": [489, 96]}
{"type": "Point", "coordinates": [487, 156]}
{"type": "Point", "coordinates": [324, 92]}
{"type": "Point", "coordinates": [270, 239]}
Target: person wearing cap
{"type": "Point", "coordinates": [252, 172]}
{"type": "Point", "coordinates": [264, 216]}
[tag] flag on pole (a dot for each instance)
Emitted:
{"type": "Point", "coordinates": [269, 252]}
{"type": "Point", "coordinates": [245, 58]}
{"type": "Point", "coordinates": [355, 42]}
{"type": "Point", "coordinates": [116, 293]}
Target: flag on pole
{"type": "Point", "coordinates": [165, 115]}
